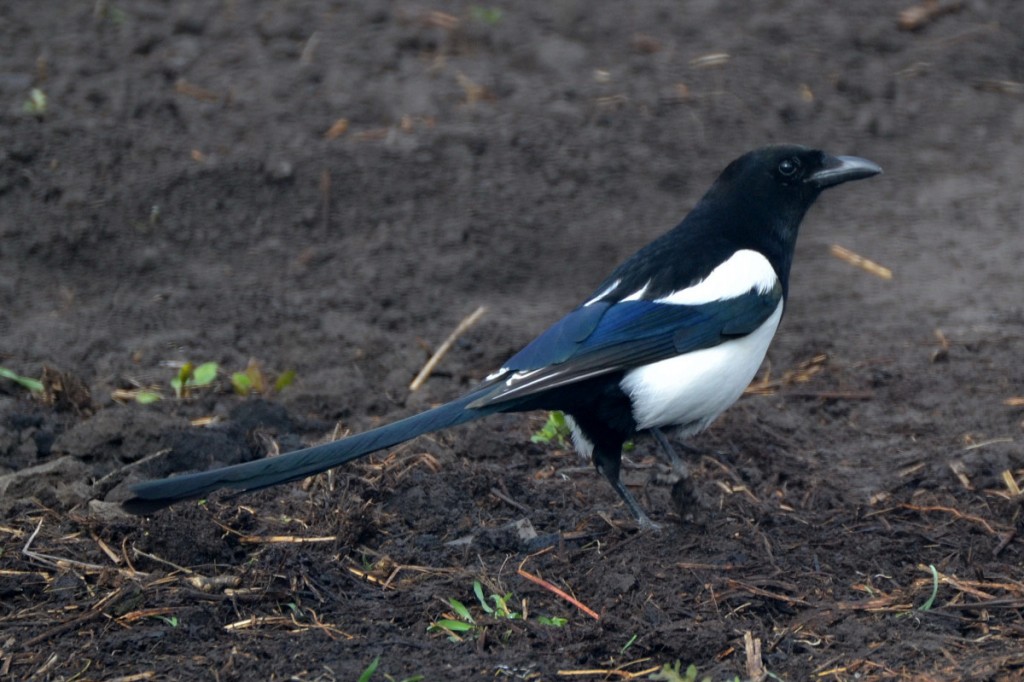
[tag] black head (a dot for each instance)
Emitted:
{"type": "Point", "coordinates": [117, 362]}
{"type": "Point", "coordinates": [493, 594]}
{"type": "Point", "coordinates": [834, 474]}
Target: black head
{"type": "Point", "coordinates": [790, 176]}
{"type": "Point", "coordinates": [756, 203]}
{"type": "Point", "coordinates": [761, 197]}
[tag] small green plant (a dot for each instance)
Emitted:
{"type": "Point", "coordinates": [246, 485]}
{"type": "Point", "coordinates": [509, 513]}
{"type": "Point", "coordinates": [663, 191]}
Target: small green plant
{"type": "Point", "coordinates": [370, 670]}
{"type": "Point", "coordinates": [191, 376]}
{"type": "Point", "coordinates": [170, 620]}
{"type": "Point", "coordinates": [461, 621]}
{"type": "Point", "coordinates": [145, 397]}
{"type": "Point", "coordinates": [631, 642]}
{"type": "Point", "coordinates": [33, 385]}
{"type": "Point", "coordinates": [487, 15]}
{"type": "Point", "coordinates": [114, 15]}
{"type": "Point", "coordinates": [500, 609]}
{"type": "Point", "coordinates": [243, 383]}
{"type": "Point", "coordinates": [35, 104]}
{"type": "Point", "coordinates": [935, 590]}
{"type": "Point", "coordinates": [554, 430]}
{"type": "Point", "coordinates": [254, 380]}
{"type": "Point", "coordinates": [670, 673]}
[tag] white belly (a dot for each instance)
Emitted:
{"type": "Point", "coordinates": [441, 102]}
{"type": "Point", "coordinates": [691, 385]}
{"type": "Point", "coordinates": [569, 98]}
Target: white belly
{"type": "Point", "coordinates": [691, 390]}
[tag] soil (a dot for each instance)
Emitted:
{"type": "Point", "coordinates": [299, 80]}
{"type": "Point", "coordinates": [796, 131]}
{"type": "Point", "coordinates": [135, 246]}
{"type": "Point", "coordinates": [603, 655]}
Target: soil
{"type": "Point", "coordinates": [331, 187]}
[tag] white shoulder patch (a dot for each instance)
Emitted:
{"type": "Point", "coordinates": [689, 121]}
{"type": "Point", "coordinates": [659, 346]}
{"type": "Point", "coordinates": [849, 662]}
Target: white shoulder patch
{"type": "Point", "coordinates": [497, 373]}
{"type": "Point", "coordinates": [639, 293]}
{"type": "Point", "coordinates": [743, 271]}
{"type": "Point", "coordinates": [604, 293]}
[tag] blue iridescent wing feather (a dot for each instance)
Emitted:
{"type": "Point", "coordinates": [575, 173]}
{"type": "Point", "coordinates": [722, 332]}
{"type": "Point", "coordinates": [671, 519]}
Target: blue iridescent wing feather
{"type": "Point", "coordinates": [607, 337]}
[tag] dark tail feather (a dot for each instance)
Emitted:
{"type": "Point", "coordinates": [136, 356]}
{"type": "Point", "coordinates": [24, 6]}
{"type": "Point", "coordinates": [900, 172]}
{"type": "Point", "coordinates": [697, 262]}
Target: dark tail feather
{"type": "Point", "coordinates": [150, 496]}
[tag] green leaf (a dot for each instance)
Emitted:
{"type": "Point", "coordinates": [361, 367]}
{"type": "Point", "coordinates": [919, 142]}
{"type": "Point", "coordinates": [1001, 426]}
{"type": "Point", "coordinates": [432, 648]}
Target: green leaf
{"type": "Point", "coordinates": [25, 382]}
{"type": "Point", "coordinates": [450, 627]}
{"type": "Point", "coordinates": [36, 102]}
{"type": "Point", "coordinates": [147, 397]}
{"type": "Point", "coordinates": [478, 590]}
{"type": "Point", "coordinates": [370, 670]}
{"type": "Point", "coordinates": [935, 590]}
{"type": "Point", "coordinates": [553, 621]}
{"type": "Point", "coordinates": [670, 673]}
{"type": "Point", "coordinates": [487, 15]}
{"type": "Point", "coordinates": [501, 606]}
{"type": "Point", "coordinates": [454, 625]}
{"type": "Point", "coordinates": [241, 383]}
{"type": "Point", "coordinates": [286, 379]}
{"type": "Point", "coordinates": [556, 429]}
{"type": "Point", "coordinates": [461, 610]}
{"type": "Point", "coordinates": [205, 374]}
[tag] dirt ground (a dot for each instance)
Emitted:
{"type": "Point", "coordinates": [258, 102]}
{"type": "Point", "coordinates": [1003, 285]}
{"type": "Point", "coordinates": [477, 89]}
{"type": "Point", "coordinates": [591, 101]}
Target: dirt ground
{"type": "Point", "coordinates": [330, 187]}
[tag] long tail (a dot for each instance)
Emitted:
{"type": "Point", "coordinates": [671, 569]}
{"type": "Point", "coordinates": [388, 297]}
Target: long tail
{"type": "Point", "coordinates": [150, 496]}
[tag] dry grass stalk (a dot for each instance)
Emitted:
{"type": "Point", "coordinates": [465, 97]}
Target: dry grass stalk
{"type": "Point", "coordinates": [869, 266]}
{"type": "Point", "coordinates": [445, 346]}
{"type": "Point", "coordinates": [800, 374]}
{"type": "Point", "coordinates": [918, 16]}
{"type": "Point", "coordinates": [183, 87]}
{"type": "Point", "coordinates": [337, 129]}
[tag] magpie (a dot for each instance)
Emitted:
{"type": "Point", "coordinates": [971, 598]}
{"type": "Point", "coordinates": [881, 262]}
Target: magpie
{"type": "Point", "coordinates": [669, 340]}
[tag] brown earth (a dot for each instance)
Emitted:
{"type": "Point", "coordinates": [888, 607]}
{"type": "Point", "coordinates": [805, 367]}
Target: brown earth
{"type": "Point", "coordinates": [177, 198]}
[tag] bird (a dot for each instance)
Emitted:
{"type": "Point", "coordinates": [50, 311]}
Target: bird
{"type": "Point", "coordinates": [669, 340]}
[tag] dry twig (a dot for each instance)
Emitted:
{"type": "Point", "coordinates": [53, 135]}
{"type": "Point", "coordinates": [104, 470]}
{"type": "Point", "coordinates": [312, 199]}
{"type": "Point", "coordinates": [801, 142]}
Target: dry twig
{"type": "Point", "coordinates": [559, 593]}
{"type": "Point", "coordinates": [922, 14]}
{"type": "Point", "coordinates": [869, 266]}
{"type": "Point", "coordinates": [466, 323]}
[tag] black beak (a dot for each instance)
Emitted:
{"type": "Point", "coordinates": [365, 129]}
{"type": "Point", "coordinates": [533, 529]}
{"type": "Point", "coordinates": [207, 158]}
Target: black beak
{"type": "Point", "coordinates": [840, 169]}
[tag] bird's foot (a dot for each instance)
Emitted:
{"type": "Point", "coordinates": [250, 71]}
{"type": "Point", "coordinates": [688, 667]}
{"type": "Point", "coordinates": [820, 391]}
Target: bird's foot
{"type": "Point", "coordinates": [645, 523]}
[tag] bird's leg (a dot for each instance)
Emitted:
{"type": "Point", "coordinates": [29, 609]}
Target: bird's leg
{"type": "Point", "coordinates": [608, 462]}
{"type": "Point", "coordinates": [679, 467]}
{"type": "Point", "coordinates": [687, 497]}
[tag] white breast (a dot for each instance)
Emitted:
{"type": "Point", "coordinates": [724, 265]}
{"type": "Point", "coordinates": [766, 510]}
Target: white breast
{"type": "Point", "coordinates": [691, 390]}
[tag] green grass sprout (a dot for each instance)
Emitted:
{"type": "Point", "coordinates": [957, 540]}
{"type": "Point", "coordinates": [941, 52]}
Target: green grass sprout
{"type": "Point", "coordinates": [670, 673]}
{"type": "Point", "coordinates": [500, 608]}
{"type": "Point", "coordinates": [631, 642]}
{"type": "Point", "coordinates": [461, 621]}
{"type": "Point", "coordinates": [935, 590]}
{"type": "Point", "coordinates": [369, 671]}
{"type": "Point", "coordinates": [461, 610]}
{"type": "Point", "coordinates": [487, 15]}
{"type": "Point", "coordinates": [33, 385]}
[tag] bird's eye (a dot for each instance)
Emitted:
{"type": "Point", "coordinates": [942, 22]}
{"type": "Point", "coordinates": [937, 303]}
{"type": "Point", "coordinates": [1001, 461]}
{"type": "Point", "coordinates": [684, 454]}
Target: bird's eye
{"type": "Point", "coordinates": [787, 167]}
